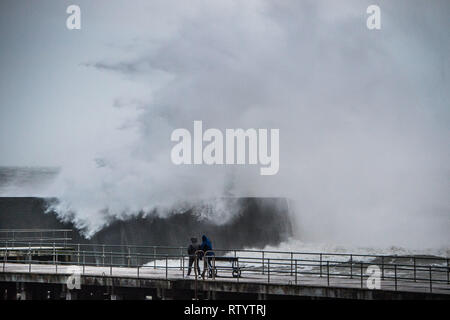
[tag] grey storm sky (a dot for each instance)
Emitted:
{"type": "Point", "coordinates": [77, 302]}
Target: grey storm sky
{"type": "Point", "coordinates": [51, 103]}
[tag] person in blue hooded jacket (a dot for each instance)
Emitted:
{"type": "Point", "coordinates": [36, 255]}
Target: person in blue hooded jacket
{"type": "Point", "coordinates": [206, 247]}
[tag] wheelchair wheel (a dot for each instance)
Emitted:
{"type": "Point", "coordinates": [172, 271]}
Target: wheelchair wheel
{"type": "Point", "coordinates": [210, 272]}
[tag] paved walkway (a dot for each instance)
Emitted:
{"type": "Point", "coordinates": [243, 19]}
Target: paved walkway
{"type": "Point", "coordinates": [248, 276]}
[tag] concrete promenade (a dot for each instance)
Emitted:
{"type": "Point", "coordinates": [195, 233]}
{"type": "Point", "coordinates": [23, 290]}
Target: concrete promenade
{"type": "Point", "coordinates": [43, 281]}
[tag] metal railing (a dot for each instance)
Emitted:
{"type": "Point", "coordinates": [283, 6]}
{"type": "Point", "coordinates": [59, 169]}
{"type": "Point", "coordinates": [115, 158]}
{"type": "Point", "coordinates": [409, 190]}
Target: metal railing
{"type": "Point", "coordinates": [35, 235]}
{"type": "Point", "coordinates": [416, 273]}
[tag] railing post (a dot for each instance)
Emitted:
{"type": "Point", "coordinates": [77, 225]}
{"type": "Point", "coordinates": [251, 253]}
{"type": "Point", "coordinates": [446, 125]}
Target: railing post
{"type": "Point", "coordinates": [214, 268]}
{"type": "Point", "coordinates": [78, 254]}
{"type": "Point", "coordinates": [295, 271]}
{"type": "Point", "coordinates": [351, 266]}
{"type": "Point", "coordinates": [431, 281]}
{"type": "Point", "coordinates": [181, 259]}
{"type": "Point", "coordinates": [54, 261]}
{"type": "Point", "coordinates": [382, 267]}
{"type": "Point", "coordinates": [5, 255]}
{"type": "Point", "coordinates": [166, 266]}
{"type": "Point", "coordinates": [328, 273]}
{"type": "Point", "coordinates": [448, 272]}
{"type": "Point", "coordinates": [263, 262]}
{"type": "Point", "coordinates": [321, 265]}
{"type": "Point", "coordinates": [195, 267]}
{"type": "Point", "coordinates": [29, 256]}
{"type": "Point", "coordinates": [196, 274]}
{"type": "Point", "coordinates": [395, 276]}
{"type": "Point", "coordinates": [362, 275]}
{"type": "Point", "coordinates": [129, 257]}
{"type": "Point", "coordinates": [268, 270]}
{"type": "Point", "coordinates": [154, 257]}
{"type": "Point", "coordinates": [292, 256]}
{"type": "Point", "coordinates": [103, 255]}
{"type": "Point", "coordinates": [414, 259]}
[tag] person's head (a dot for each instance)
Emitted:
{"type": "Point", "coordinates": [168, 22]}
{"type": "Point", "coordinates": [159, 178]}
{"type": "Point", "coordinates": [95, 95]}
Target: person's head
{"type": "Point", "coordinates": [194, 240]}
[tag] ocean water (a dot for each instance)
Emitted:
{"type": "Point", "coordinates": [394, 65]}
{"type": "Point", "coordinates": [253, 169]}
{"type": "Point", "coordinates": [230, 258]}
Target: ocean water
{"type": "Point", "coordinates": [26, 181]}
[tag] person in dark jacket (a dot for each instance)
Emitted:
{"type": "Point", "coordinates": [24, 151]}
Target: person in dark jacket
{"type": "Point", "coordinates": [206, 247]}
{"type": "Point", "coordinates": [193, 247]}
